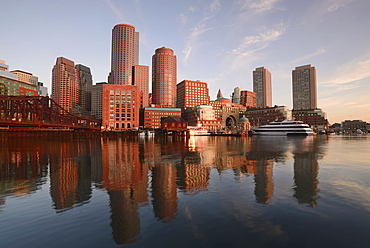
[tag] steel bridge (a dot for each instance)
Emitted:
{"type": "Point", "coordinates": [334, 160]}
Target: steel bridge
{"type": "Point", "coordinates": [40, 113]}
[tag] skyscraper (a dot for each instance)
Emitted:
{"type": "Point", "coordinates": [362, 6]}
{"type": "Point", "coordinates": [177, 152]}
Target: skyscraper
{"type": "Point", "coordinates": [65, 89]}
{"type": "Point", "coordinates": [125, 54]}
{"type": "Point", "coordinates": [164, 77]}
{"type": "Point", "coordinates": [262, 86]}
{"type": "Point", "coordinates": [304, 87]}
{"type": "Point", "coordinates": [141, 80]}
{"type": "Point", "coordinates": [85, 84]}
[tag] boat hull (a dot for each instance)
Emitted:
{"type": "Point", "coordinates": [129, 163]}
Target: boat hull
{"type": "Point", "coordinates": [282, 133]}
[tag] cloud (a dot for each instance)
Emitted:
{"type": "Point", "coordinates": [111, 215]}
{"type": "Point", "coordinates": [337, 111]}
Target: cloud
{"type": "Point", "coordinates": [333, 5]}
{"type": "Point", "coordinates": [258, 5]}
{"type": "Point", "coordinates": [356, 70]}
{"type": "Point", "coordinates": [262, 40]}
{"type": "Point", "coordinates": [192, 41]}
{"type": "Point", "coordinates": [115, 10]}
{"type": "Point", "coordinates": [309, 56]}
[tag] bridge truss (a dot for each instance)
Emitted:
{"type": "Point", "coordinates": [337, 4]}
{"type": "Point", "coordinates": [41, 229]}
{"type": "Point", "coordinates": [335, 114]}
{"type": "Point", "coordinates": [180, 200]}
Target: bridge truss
{"type": "Point", "coordinates": [39, 112]}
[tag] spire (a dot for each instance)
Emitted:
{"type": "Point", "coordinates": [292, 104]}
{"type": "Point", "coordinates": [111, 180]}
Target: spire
{"type": "Point", "coordinates": [219, 94]}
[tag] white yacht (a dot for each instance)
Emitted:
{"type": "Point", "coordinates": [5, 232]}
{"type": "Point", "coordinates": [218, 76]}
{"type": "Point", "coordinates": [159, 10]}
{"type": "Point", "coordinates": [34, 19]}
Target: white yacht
{"type": "Point", "coordinates": [284, 128]}
{"type": "Point", "coordinates": [198, 131]}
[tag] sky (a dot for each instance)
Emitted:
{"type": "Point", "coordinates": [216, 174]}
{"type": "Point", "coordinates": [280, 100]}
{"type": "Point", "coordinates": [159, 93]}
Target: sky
{"type": "Point", "coordinates": [220, 42]}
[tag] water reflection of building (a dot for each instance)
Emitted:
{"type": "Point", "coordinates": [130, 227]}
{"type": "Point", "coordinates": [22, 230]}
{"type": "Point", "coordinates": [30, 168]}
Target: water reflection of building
{"type": "Point", "coordinates": [125, 218]}
{"type": "Point", "coordinates": [23, 167]}
{"type": "Point", "coordinates": [164, 191]}
{"type": "Point", "coordinates": [264, 187]}
{"type": "Point", "coordinates": [193, 174]}
{"type": "Point", "coordinates": [306, 170]}
{"type": "Point", "coordinates": [126, 180]}
{"type": "Point", "coordinates": [70, 173]}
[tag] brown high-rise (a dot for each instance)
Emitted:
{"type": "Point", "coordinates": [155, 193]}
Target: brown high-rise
{"type": "Point", "coordinates": [65, 88]}
{"type": "Point", "coordinates": [125, 54]}
{"type": "Point", "coordinates": [164, 77]}
{"type": "Point", "coordinates": [304, 87]}
{"type": "Point", "coordinates": [262, 86]}
{"type": "Point", "coordinates": [140, 75]}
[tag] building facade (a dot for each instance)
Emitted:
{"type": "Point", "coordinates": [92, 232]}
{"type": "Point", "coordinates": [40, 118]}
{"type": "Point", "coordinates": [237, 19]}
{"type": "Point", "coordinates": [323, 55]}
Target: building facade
{"type": "Point", "coordinates": [125, 54]}
{"type": "Point", "coordinates": [262, 86]}
{"type": "Point", "coordinates": [248, 99]}
{"type": "Point", "coordinates": [202, 116]}
{"type": "Point", "coordinates": [316, 118]}
{"type": "Point", "coordinates": [11, 86]}
{"type": "Point", "coordinates": [236, 95]}
{"type": "Point", "coordinates": [304, 87]}
{"type": "Point", "coordinates": [120, 107]}
{"type": "Point", "coordinates": [65, 87]}
{"type": "Point", "coordinates": [41, 89]}
{"type": "Point", "coordinates": [227, 112]}
{"type": "Point", "coordinates": [192, 93]}
{"type": "Point", "coordinates": [263, 116]}
{"type": "Point", "coordinates": [141, 80]}
{"type": "Point", "coordinates": [26, 77]}
{"type": "Point", "coordinates": [97, 100]}
{"type": "Point", "coordinates": [164, 77]}
{"type": "Point", "coordinates": [85, 84]}
{"type": "Point", "coordinates": [151, 117]}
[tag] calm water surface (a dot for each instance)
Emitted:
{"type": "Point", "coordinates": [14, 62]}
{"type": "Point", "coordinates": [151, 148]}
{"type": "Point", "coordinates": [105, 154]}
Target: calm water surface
{"type": "Point", "coordinates": [206, 192]}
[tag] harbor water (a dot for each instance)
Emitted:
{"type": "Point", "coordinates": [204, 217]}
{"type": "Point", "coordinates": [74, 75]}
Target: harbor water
{"type": "Point", "coordinates": [88, 191]}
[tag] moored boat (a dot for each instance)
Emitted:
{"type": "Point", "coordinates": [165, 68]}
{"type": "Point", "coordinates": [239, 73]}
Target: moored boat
{"type": "Point", "coordinates": [284, 128]}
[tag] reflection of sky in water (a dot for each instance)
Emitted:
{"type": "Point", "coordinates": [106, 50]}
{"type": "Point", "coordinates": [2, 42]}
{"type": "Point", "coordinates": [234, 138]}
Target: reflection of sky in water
{"type": "Point", "coordinates": [208, 191]}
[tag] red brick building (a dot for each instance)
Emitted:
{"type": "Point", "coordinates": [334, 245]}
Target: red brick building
{"type": "Point", "coordinates": [174, 123]}
{"type": "Point", "coordinates": [248, 98]}
{"type": "Point", "coordinates": [120, 106]}
{"type": "Point", "coordinates": [151, 117]}
{"type": "Point", "coordinates": [192, 93]}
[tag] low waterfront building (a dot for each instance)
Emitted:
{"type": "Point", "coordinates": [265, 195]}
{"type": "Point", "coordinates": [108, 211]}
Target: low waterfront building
{"type": "Point", "coordinates": [353, 125]}
{"type": "Point", "coordinates": [151, 116]}
{"type": "Point", "coordinates": [202, 115]}
{"type": "Point", "coordinates": [263, 116]}
{"type": "Point", "coordinates": [227, 112]}
{"type": "Point", "coordinates": [316, 118]}
{"type": "Point", "coordinates": [174, 123]}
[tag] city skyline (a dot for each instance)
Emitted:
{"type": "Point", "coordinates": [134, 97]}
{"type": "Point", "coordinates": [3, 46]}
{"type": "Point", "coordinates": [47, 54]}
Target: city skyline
{"type": "Point", "coordinates": [219, 42]}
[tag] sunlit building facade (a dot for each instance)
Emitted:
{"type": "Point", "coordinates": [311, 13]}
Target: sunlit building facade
{"type": "Point", "coordinates": [141, 80]}
{"type": "Point", "coordinates": [125, 54]}
{"type": "Point", "coordinates": [248, 98]}
{"type": "Point", "coordinates": [304, 87]}
{"type": "Point", "coordinates": [120, 106]}
{"type": "Point", "coordinates": [164, 77]}
{"type": "Point", "coordinates": [65, 87]}
{"type": "Point", "coordinates": [262, 86]}
{"type": "Point", "coordinates": [192, 93]}
{"type": "Point", "coordinates": [152, 116]}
